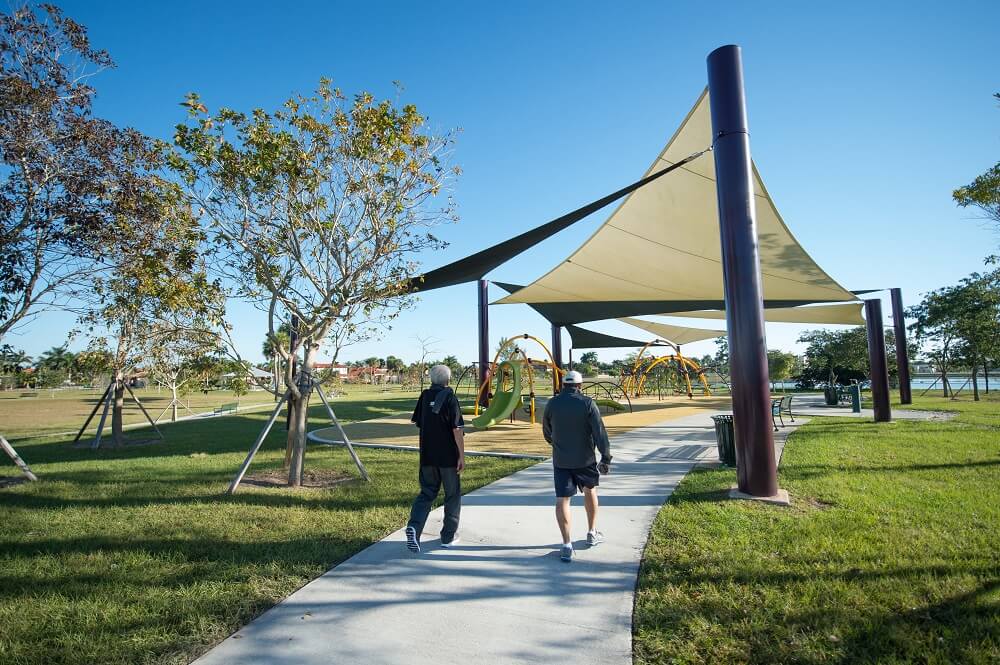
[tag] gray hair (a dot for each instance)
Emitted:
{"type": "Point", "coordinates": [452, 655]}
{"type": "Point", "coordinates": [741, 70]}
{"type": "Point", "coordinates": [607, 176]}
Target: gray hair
{"type": "Point", "coordinates": [440, 375]}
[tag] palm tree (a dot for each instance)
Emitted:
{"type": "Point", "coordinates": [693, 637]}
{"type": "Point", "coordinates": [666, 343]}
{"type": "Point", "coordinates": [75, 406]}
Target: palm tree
{"type": "Point", "coordinates": [270, 350]}
{"type": "Point", "coordinates": [57, 359]}
{"type": "Point", "coordinates": [13, 361]}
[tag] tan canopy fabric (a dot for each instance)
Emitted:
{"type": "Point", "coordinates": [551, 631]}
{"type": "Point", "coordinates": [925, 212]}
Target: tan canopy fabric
{"type": "Point", "coordinates": [662, 243]}
{"type": "Point", "coordinates": [677, 334]}
{"type": "Point", "coordinates": [848, 314]}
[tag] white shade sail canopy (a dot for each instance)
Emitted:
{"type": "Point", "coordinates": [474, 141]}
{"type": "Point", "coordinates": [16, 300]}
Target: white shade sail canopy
{"type": "Point", "coordinates": [848, 314]}
{"type": "Point", "coordinates": [662, 243]}
{"type": "Point", "coordinates": [677, 334]}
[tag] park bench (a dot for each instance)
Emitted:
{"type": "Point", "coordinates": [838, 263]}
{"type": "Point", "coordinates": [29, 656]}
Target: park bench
{"type": "Point", "coordinates": [225, 408]}
{"type": "Point", "coordinates": [29, 394]}
{"type": "Point", "coordinates": [780, 406]}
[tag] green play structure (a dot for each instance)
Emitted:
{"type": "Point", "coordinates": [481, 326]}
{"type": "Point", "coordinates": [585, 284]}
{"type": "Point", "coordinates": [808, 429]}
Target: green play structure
{"type": "Point", "coordinates": [503, 401]}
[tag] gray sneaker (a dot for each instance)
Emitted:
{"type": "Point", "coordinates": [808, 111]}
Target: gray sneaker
{"type": "Point", "coordinates": [594, 538]}
{"type": "Point", "coordinates": [412, 542]}
{"type": "Point", "coordinates": [567, 553]}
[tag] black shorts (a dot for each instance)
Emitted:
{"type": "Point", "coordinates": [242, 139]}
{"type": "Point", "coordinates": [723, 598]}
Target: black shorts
{"type": "Point", "coordinates": [568, 480]}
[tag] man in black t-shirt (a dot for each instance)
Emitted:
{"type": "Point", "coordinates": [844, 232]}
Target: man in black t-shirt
{"type": "Point", "coordinates": [442, 458]}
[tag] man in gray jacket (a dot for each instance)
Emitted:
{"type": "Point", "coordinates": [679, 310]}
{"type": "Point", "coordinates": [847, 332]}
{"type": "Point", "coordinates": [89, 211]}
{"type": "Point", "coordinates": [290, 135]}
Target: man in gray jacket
{"type": "Point", "coordinates": [573, 427]}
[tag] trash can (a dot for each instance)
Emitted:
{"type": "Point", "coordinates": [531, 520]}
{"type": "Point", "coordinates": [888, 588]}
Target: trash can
{"type": "Point", "coordinates": [725, 439]}
{"type": "Point", "coordinates": [855, 390]}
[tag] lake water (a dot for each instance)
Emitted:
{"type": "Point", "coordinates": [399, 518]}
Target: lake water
{"type": "Point", "coordinates": [923, 382]}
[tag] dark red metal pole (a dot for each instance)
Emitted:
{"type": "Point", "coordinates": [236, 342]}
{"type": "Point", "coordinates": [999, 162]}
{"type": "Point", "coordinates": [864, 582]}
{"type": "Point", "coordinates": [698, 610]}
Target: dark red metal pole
{"type": "Point", "coordinates": [902, 353]}
{"type": "Point", "coordinates": [556, 354]}
{"type": "Point", "coordinates": [482, 286]}
{"type": "Point", "coordinates": [756, 470]}
{"type": "Point", "coordinates": [876, 360]}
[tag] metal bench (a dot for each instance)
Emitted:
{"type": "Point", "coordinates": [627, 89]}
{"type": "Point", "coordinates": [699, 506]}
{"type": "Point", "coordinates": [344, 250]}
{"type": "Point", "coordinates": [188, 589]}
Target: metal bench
{"type": "Point", "coordinates": [780, 406]}
{"type": "Point", "coordinates": [225, 408]}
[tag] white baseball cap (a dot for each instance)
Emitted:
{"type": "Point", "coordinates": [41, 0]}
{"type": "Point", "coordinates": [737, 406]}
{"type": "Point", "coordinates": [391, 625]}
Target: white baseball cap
{"type": "Point", "coordinates": [572, 377]}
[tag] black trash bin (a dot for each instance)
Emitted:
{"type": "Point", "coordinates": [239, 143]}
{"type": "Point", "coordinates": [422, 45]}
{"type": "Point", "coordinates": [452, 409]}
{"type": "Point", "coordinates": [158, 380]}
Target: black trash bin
{"type": "Point", "coordinates": [725, 439]}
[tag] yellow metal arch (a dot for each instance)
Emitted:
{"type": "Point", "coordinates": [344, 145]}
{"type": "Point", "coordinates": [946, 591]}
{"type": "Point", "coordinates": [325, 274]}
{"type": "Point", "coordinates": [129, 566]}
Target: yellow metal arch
{"type": "Point", "coordinates": [684, 366]}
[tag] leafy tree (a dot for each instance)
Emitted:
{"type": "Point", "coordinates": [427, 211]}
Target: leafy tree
{"type": "Point", "coordinates": [586, 369]}
{"type": "Point", "coordinates": [63, 169]}
{"type": "Point", "coordinates": [455, 366]}
{"type": "Point", "coordinates": [240, 387]}
{"type": "Point", "coordinates": [589, 358]}
{"type": "Point", "coordinates": [394, 364]}
{"type": "Point", "coordinates": [14, 361]}
{"type": "Point", "coordinates": [780, 365]}
{"type": "Point", "coordinates": [960, 323]}
{"type": "Point", "coordinates": [46, 377]}
{"type": "Point", "coordinates": [92, 363]}
{"type": "Point", "coordinates": [177, 357]}
{"type": "Point", "coordinates": [983, 192]}
{"type": "Point", "coordinates": [57, 359]}
{"type": "Point", "coordinates": [505, 350]}
{"type": "Point", "coordinates": [839, 357]}
{"type": "Point", "coordinates": [318, 209]}
{"type": "Point", "coordinates": [153, 287]}
{"type": "Point", "coordinates": [720, 361]}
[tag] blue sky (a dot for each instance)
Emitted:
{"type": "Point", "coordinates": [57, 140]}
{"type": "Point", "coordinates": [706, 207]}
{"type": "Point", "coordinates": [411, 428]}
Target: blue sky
{"type": "Point", "coordinates": [864, 117]}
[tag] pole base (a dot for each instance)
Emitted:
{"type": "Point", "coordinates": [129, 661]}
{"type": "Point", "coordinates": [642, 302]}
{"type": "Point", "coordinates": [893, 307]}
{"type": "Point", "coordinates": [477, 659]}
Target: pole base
{"type": "Point", "coordinates": [779, 499]}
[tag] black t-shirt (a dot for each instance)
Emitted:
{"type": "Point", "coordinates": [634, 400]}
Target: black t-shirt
{"type": "Point", "coordinates": [437, 438]}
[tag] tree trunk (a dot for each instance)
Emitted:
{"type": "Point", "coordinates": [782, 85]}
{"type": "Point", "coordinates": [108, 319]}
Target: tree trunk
{"type": "Point", "coordinates": [299, 422]}
{"type": "Point", "coordinates": [117, 429]}
{"type": "Point", "coordinates": [986, 374]}
{"type": "Point", "coordinates": [944, 381]}
{"type": "Point", "coordinates": [173, 402]}
{"type": "Point", "coordinates": [975, 382]}
{"type": "Point", "coordinates": [276, 373]}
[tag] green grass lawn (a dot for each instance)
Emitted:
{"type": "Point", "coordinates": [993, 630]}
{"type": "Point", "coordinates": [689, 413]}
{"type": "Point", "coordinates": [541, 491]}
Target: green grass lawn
{"type": "Point", "coordinates": [136, 556]}
{"type": "Point", "coordinates": [57, 411]}
{"type": "Point", "coordinates": [890, 552]}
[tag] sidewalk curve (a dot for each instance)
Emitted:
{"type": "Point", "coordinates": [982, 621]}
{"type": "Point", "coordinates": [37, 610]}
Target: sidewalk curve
{"type": "Point", "coordinates": [503, 595]}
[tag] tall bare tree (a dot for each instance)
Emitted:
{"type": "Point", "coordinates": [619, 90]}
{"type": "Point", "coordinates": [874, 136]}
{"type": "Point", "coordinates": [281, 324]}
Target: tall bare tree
{"type": "Point", "coordinates": [318, 210]}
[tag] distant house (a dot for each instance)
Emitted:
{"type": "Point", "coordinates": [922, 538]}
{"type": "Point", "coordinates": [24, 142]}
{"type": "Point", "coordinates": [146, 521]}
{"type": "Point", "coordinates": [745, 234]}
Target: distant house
{"type": "Point", "coordinates": [336, 368]}
{"type": "Point", "coordinates": [256, 378]}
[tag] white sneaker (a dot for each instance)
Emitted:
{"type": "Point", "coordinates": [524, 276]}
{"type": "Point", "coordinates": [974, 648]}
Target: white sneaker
{"type": "Point", "coordinates": [594, 538]}
{"type": "Point", "coordinates": [454, 541]}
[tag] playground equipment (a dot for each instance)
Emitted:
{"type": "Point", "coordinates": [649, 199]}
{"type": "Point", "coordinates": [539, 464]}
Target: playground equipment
{"type": "Point", "coordinates": [634, 381]}
{"type": "Point", "coordinates": [504, 401]}
{"type": "Point", "coordinates": [607, 391]}
{"type": "Point", "coordinates": [512, 372]}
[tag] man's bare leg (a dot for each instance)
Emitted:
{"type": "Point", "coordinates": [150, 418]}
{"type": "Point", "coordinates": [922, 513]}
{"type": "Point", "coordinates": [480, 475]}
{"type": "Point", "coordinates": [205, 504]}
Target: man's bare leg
{"type": "Point", "coordinates": [590, 501]}
{"type": "Point", "coordinates": [562, 517]}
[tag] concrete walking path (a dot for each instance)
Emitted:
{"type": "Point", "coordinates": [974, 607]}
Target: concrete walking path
{"type": "Point", "coordinates": [502, 595]}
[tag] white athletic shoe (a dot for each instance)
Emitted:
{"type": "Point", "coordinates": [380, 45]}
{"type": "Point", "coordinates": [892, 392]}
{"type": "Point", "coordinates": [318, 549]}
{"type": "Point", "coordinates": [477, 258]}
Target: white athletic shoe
{"type": "Point", "coordinates": [451, 543]}
{"type": "Point", "coordinates": [594, 538]}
